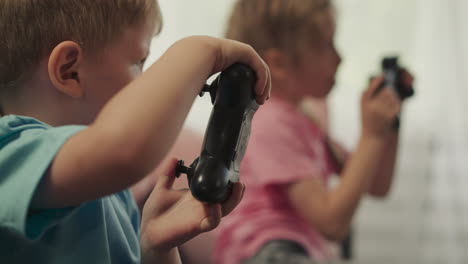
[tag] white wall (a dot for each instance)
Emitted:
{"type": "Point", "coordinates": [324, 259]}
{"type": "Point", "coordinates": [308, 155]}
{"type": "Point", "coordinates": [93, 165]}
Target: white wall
{"type": "Point", "coordinates": [184, 18]}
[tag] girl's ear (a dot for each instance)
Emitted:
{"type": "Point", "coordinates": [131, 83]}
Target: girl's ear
{"type": "Point", "coordinates": [278, 62]}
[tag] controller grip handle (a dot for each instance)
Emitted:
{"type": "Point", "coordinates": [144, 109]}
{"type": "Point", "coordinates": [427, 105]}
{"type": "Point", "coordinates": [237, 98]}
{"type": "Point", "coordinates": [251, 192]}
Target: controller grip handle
{"type": "Point", "coordinates": [207, 185]}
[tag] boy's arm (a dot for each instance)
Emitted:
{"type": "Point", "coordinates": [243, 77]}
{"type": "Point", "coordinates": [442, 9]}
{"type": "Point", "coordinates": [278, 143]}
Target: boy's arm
{"type": "Point", "coordinates": [136, 128]}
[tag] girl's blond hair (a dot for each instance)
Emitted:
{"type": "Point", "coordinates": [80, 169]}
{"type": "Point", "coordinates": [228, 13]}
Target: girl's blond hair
{"type": "Point", "coordinates": [280, 24]}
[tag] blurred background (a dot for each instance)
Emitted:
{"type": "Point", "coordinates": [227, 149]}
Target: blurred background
{"type": "Point", "coordinates": [425, 218]}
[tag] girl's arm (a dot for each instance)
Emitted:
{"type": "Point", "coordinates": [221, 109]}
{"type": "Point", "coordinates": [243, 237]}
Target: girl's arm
{"type": "Point", "coordinates": [331, 212]}
{"type": "Point", "coordinates": [382, 180]}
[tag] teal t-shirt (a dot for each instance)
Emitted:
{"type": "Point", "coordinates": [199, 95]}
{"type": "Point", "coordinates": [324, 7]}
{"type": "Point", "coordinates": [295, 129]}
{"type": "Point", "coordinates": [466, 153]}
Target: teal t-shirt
{"type": "Point", "coordinates": [100, 231]}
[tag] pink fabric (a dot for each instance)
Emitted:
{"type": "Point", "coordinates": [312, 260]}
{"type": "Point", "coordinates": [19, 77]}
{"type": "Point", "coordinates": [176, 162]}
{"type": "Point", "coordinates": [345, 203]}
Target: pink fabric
{"type": "Point", "coordinates": [285, 147]}
{"type": "Point", "coordinates": [318, 109]}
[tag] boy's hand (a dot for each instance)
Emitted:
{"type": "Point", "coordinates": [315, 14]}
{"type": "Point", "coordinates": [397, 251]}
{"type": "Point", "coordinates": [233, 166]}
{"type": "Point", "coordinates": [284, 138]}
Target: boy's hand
{"type": "Point", "coordinates": [378, 110]}
{"type": "Point", "coordinates": [230, 52]}
{"type": "Point", "coordinates": [172, 217]}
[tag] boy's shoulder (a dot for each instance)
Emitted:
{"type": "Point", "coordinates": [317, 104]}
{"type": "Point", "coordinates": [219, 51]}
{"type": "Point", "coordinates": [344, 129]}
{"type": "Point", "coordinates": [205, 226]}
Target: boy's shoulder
{"type": "Point", "coordinates": [21, 130]}
{"type": "Point", "coordinates": [27, 148]}
{"type": "Point", "coordinates": [106, 229]}
{"type": "Point", "coordinates": [12, 123]}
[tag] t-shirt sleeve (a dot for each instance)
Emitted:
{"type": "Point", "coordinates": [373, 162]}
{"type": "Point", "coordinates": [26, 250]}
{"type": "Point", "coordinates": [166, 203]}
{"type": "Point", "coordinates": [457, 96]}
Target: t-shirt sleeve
{"type": "Point", "coordinates": [280, 155]}
{"type": "Point", "coordinates": [26, 153]}
{"type": "Point", "coordinates": [131, 209]}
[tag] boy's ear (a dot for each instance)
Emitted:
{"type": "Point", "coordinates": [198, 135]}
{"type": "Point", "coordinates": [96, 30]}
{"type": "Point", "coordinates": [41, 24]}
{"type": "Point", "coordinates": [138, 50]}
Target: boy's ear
{"type": "Point", "coordinates": [278, 62]}
{"type": "Point", "coordinates": [64, 68]}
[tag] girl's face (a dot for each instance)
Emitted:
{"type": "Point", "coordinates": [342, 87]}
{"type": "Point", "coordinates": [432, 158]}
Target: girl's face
{"type": "Point", "coordinates": [317, 64]}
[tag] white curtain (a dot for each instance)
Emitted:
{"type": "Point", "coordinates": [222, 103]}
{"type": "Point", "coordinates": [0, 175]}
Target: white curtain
{"type": "Point", "coordinates": [424, 220]}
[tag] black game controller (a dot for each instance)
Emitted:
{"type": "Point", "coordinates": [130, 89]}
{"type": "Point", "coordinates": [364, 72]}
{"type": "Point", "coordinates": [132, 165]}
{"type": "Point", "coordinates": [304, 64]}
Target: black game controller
{"type": "Point", "coordinates": [393, 78]}
{"type": "Point", "coordinates": [212, 174]}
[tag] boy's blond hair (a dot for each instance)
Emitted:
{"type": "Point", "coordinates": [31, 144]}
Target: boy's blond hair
{"type": "Point", "coordinates": [30, 29]}
{"type": "Point", "coordinates": [286, 25]}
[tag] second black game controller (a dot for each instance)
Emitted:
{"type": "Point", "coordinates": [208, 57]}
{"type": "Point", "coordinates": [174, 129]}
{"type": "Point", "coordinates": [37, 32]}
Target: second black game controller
{"type": "Point", "coordinates": [212, 174]}
{"type": "Point", "coordinates": [393, 78]}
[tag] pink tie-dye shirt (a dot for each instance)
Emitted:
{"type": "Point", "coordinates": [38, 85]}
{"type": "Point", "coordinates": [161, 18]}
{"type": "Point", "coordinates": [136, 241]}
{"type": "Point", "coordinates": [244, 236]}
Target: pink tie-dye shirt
{"type": "Point", "coordinates": [285, 147]}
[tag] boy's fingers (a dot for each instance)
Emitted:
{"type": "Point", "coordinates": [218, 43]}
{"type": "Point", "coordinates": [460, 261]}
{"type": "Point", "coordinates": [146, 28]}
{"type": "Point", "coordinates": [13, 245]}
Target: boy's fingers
{"type": "Point", "coordinates": [244, 53]}
{"type": "Point", "coordinates": [185, 220]}
{"type": "Point", "coordinates": [263, 86]}
{"type": "Point", "coordinates": [268, 95]}
{"type": "Point", "coordinates": [167, 178]}
{"type": "Point", "coordinates": [213, 218]}
{"type": "Point", "coordinates": [238, 190]}
{"type": "Point", "coordinates": [262, 72]}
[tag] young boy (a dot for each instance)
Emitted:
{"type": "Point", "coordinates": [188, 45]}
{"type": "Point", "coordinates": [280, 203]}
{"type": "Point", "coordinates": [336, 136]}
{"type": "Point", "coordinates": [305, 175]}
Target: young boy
{"type": "Point", "coordinates": [288, 214]}
{"type": "Point", "coordinates": [64, 179]}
